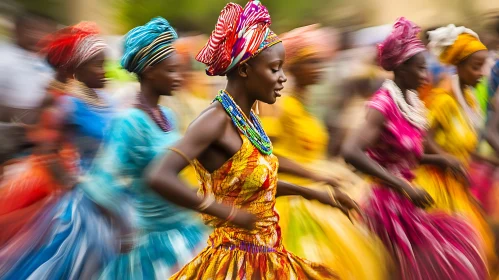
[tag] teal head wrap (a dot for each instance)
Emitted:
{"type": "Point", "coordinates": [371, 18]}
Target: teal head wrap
{"type": "Point", "coordinates": [148, 45]}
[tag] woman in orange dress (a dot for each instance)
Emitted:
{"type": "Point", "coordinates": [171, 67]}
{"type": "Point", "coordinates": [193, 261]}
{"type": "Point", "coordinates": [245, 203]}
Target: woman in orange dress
{"type": "Point", "coordinates": [233, 158]}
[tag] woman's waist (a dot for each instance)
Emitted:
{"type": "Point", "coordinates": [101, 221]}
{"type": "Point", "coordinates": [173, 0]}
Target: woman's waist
{"type": "Point", "coordinates": [260, 238]}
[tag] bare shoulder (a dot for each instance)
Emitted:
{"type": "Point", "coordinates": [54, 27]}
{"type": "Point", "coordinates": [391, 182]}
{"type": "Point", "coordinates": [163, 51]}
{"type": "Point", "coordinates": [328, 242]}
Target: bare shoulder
{"type": "Point", "coordinates": [211, 123]}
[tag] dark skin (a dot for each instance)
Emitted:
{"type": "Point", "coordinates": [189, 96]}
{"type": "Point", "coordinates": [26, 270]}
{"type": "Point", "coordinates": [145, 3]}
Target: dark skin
{"type": "Point", "coordinates": [213, 139]}
{"type": "Point", "coordinates": [155, 81]}
{"type": "Point", "coordinates": [470, 73]}
{"type": "Point", "coordinates": [408, 76]}
{"type": "Point", "coordinates": [91, 72]}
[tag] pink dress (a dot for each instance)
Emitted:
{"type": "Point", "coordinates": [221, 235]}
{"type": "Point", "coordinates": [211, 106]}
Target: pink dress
{"type": "Point", "coordinates": [424, 245]}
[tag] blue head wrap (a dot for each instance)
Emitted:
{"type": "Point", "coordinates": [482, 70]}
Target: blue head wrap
{"type": "Point", "coordinates": [148, 45]}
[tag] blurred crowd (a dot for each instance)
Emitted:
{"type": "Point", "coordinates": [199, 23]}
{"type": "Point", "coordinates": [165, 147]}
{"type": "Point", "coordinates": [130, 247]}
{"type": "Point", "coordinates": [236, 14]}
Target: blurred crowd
{"type": "Point", "coordinates": [57, 96]}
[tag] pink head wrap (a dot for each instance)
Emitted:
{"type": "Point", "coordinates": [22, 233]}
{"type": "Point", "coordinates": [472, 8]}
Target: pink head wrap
{"type": "Point", "coordinates": [402, 44]}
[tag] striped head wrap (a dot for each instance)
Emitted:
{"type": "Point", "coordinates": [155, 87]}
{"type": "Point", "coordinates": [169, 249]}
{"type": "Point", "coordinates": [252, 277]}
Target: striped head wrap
{"type": "Point", "coordinates": [454, 44]}
{"type": "Point", "coordinates": [239, 35]}
{"type": "Point", "coordinates": [148, 45]}
{"type": "Point", "coordinates": [74, 45]}
{"type": "Point", "coordinates": [402, 44]}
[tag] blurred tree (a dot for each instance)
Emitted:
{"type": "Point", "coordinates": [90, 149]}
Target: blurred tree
{"type": "Point", "coordinates": [201, 15]}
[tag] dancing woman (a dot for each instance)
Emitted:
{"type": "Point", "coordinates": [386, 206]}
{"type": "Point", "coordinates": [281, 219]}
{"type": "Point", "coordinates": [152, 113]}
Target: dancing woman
{"type": "Point", "coordinates": [387, 147]}
{"type": "Point", "coordinates": [300, 142]}
{"type": "Point", "coordinates": [162, 237]}
{"type": "Point", "coordinates": [74, 238]}
{"type": "Point", "coordinates": [455, 121]}
{"type": "Point", "coordinates": [233, 158]}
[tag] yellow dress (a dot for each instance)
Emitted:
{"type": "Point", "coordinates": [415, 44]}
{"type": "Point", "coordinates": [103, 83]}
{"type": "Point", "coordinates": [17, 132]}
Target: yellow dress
{"type": "Point", "coordinates": [311, 230]}
{"type": "Point", "coordinates": [247, 180]}
{"type": "Point", "coordinates": [455, 135]}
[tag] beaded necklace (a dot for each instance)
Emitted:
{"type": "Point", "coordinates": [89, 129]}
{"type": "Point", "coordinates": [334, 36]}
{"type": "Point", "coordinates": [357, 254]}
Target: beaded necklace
{"type": "Point", "coordinates": [253, 129]}
{"type": "Point", "coordinates": [86, 94]}
{"type": "Point", "coordinates": [161, 121]}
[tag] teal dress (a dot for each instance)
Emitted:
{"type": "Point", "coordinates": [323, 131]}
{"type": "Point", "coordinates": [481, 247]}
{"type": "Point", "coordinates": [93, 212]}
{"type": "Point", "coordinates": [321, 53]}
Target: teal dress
{"type": "Point", "coordinates": [168, 236]}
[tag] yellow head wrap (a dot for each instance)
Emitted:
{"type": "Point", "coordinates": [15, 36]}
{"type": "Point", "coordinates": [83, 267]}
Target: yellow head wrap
{"type": "Point", "coordinates": [454, 44]}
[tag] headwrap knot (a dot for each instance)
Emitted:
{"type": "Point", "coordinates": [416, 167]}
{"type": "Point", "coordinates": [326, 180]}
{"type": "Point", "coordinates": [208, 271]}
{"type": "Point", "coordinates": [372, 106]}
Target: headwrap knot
{"type": "Point", "coordinates": [239, 35]}
{"type": "Point", "coordinates": [402, 44]}
{"type": "Point", "coordinates": [454, 44]}
{"type": "Point", "coordinates": [148, 45]}
{"type": "Point", "coordinates": [73, 45]}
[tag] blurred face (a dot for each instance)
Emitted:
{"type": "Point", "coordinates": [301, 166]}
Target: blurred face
{"type": "Point", "coordinates": [164, 77]}
{"type": "Point", "coordinates": [264, 75]}
{"type": "Point", "coordinates": [31, 31]}
{"type": "Point", "coordinates": [91, 72]}
{"type": "Point", "coordinates": [307, 71]}
{"type": "Point", "coordinates": [470, 70]}
{"type": "Point", "coordinates": [414, 72]}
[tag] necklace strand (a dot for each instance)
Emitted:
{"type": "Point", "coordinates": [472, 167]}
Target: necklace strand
{"type": "Point", "coordinates": [161, 121]}
{"type": "Point", "coordinates": [253, 129]}
{"type": "Point", "coordinates": [415, 113]}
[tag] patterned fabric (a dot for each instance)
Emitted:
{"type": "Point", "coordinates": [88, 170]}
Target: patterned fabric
{"type": "Point", "coordinates": [402, 44]}
{"type": "Point", "coordinates": [424, 245]}
{"type": "Point", "coordinates": [73, 45]}
{"type": "Point", "coordinates": [454, 133]}
{"type": "Point", "coordinates": [168, 236]}
{"type": "Point", "coordinates": [454, 44]}
{"type": "Point", "coordinates": [307, 41]}
{"type": "Point", "coordinates": [239, 35]}
{"type": "Point", "coordinates": [347, 248]}
{"type": "Point", "coordinates": [148, 45]}
{"type": "Point", "coordinates": [248, 180]}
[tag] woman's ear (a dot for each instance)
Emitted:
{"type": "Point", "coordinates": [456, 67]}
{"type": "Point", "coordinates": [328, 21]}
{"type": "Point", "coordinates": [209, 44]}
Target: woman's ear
{"type": "Point", "coordinates": [243, 69]}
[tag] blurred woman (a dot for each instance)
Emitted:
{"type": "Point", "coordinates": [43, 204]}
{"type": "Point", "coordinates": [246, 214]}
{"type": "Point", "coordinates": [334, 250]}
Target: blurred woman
{"type": "Point", "coordinates": [387, 147]}
{"type": "Point", "coordinates": [456, 119]}
{"type": "Point", "coordinates": [300, 142]}
{"type": "Point", "coordinates": [73, 239]}
{"type": "Point", "coordinates": [162, 237]}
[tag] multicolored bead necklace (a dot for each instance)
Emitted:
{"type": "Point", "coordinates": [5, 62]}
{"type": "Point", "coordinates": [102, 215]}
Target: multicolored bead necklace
{"type": "Point", "coordinates": [252, 129]}
{"type": "Point", "coordinates": [161, 121]}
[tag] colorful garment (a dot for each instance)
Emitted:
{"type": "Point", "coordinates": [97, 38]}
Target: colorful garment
{"type": "Point", "coordinates": [424, 245]}
{"type": "Point", "coordinates": [456, 118]}
{"type": "Point", "coordinates": [75, 239]}
{"type": "Point", "coordinates": [333, 241]}
{"type": "Point", "coordinates": [249, 180]}
{"type": "Point", "coordinates": [167, 235]}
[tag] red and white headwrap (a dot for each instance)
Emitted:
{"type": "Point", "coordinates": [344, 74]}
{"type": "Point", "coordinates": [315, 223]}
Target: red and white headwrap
{"type": "Point", "coordinates": [239, 35]}
{"type": "Point", "coordinates": [402, 44]}
{"type": "Point", "coordinates": [73, 45]}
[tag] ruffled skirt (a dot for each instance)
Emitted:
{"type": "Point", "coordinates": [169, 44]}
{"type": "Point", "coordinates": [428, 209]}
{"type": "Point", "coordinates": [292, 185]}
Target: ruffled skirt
{"type": "Point", "coordinates": [425, 246]}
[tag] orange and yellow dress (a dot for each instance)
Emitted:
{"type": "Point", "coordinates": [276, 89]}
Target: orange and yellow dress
{"type": "Point", "coordinates": [311, 230]}
{"type": "Point", "coordinates": [454, 133]}
{"type": "Point", "coordinates": [247, 180]}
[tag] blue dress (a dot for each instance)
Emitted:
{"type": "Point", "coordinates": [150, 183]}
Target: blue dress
{"type": "Point", "coordinates": [167, 236]}
{"type": "Point", "coordinates": [73, 239]}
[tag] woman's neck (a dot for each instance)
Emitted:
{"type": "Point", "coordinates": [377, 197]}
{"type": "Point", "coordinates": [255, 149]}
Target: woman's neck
{"type": "Point", "coordinates": [150, 97]}
{"type": "Point", "coordinates": [241, 97]}
{"type": "Point", "coordinates": [403, 88]}
{"type": "Point", "coordinates": [462, 85]}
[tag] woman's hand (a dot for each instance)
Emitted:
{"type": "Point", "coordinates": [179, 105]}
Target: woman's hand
{"type": "Point", "coordinates": [419, 197]}
{"type": "Point", "coordinates": [455, 166]}
{"type": "Point", "coordinates": [336, 198]}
